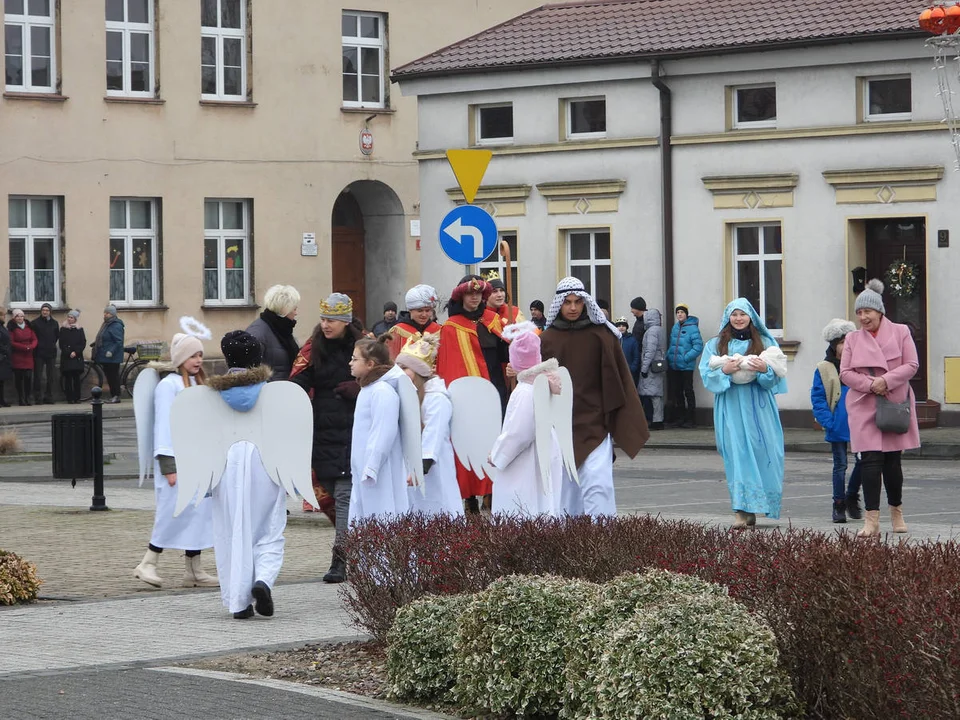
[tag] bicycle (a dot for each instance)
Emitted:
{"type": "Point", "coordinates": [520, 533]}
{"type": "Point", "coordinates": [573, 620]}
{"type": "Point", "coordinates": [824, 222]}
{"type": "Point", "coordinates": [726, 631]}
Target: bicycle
{"type": "Point", "coordinates": [93, 375]}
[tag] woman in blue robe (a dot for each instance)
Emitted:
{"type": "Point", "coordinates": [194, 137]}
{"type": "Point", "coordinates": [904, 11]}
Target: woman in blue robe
{"type": "Point", "coordinates": [745, 415]}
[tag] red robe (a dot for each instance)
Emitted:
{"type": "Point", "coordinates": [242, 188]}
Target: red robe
{"type": "Point", "coordinates": [517, 315]}
{"type": "Point", "coordinates": [401, 333]}
{"type": "Point", "coordinates": [460, 356]}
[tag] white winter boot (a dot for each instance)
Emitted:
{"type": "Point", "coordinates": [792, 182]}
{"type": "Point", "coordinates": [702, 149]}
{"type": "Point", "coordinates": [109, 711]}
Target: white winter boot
{"type": "Point", "coordinates": [147, 569]}
{"type": "Point", "coordinates": [194, 576]}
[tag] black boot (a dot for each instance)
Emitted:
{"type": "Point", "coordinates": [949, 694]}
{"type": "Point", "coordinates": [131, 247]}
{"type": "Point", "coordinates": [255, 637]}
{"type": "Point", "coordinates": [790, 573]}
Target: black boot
{"type": "Point", "coordinates": [853, 506]}
{"type": "Point", "coordinates": [691, 419]}
{"type": "Point", "coordinates": [338, 568]}
{"type": "Point", "coordinates": [263, 597]}
{"type": "Point", "coordinates": [839, 511]}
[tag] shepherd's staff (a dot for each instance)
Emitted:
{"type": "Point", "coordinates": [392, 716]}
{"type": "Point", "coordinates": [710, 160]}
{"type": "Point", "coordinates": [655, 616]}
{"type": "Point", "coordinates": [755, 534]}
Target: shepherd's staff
{"type": "Point", "coordinates": [505, 254]}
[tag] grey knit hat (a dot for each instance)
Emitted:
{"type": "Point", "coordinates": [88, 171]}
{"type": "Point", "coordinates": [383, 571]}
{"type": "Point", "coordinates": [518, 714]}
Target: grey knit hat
{"type": "Point", "coordinates": [111, 310]}
{"type": "Point", "coordinates": [75, 313]}
{"type": "Point", "coordinates": [871, 298]}
{"type": "Point", "coordinates": [337, 306]}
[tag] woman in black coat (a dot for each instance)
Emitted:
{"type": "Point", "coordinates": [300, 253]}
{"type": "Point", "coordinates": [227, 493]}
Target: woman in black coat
{"type": "Point", "coordinates": [6, 361]}
{"type": "Point", "coordinates": [73, 341]}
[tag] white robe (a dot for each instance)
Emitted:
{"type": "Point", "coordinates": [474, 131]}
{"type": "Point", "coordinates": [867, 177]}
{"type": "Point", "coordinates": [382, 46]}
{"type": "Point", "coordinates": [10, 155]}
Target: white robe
{"type": "Point", "coordinates": [376, 456]}
{"type": "Point", "coordinates": [517, 488]}
{"type": "Point", "coordinates": [441, 491]}
{"type": "Point", "coordinates": [193, 528]}
{"type": "Point", "coordinates": [249, 517]}
{"type": "Point", "coordinates": [594, 496]}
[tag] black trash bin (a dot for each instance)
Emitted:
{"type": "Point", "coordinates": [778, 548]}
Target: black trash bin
{"type": "Point", "coordinates": [72, 445]}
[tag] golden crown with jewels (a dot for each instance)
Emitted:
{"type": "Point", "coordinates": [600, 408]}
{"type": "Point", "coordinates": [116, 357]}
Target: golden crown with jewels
{"type": "Point", "coordinates": [423, 347]}
{"type": "Point", "coordinates": [341, 308]}
{"type": "Point", "coordinates": [491, 276]}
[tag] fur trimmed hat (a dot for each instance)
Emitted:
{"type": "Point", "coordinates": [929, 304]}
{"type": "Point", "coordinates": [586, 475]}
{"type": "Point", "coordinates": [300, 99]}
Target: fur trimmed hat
{"type": "Point", "coordinates": [837, 328]}
{"type": "Point", "coordinates": [871, 298]}
{"type": "Point", "coordinates": [241, 349]}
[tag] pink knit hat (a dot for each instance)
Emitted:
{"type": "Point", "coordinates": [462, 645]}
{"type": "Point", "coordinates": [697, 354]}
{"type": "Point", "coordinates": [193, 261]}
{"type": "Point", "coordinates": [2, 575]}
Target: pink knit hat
{"type": "Point", "coordinates": [525, 351]}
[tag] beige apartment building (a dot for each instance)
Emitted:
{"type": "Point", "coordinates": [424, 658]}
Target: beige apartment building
{"type": "Point", "coordinates": [179, 157]}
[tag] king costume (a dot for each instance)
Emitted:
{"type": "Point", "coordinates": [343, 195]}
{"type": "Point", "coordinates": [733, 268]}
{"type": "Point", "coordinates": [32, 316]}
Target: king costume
{"type": "Point", "coordinates": [417, 298]}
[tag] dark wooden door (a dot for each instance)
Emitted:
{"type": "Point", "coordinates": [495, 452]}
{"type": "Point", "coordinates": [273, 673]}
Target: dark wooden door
{"type": "Point", "coordinates": [893, 239]}
{"type": "Point", "coordinates": [348, 259]}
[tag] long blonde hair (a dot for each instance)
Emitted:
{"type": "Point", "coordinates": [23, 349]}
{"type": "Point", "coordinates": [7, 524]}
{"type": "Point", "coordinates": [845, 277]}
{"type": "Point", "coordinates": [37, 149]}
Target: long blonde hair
{"type": "Point", "coordinates": [201, 376]}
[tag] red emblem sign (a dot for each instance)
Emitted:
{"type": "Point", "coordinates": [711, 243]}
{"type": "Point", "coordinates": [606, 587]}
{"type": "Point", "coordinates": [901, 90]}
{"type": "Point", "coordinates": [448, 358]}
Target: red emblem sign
{"type": "Point", "coordinates": [366, 142]}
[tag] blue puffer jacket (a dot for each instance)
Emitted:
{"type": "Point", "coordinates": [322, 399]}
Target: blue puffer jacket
{"type": "Point", "coordinates": [834, 423]}
{"type": "Point", "coordinates": [632, 352]}
{"type": "Point", "coordinates": [686, 344]}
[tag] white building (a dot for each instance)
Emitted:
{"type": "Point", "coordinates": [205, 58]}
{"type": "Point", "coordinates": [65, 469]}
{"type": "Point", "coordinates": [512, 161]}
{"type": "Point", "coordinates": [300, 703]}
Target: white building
{"type": "Point", "coordinates": [768, 155]}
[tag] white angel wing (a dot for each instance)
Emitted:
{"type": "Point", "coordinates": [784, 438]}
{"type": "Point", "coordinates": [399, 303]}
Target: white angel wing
{"type": "Point", "coordinates": [562, 412]}
{"type": "Point", "coordinates": [143, 390]}
{"type": "Point", "coordinates": [543, 430]}
{"type": "Point", "coordinates": [204, 428]}
{"type": "Point", "coordinates": [476, 422]}
{"type": "Point", "coordinates": [410, 429]}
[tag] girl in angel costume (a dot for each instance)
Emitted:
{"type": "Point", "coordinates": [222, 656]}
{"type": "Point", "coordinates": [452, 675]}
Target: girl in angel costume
{"type": "Point", "coordinates": [440, 492]}
{"type": "Point", "coordinates": [153, 397]}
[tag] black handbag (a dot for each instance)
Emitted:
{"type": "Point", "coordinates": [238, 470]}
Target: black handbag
{"type": "Point", "coordinates": [658, 366]}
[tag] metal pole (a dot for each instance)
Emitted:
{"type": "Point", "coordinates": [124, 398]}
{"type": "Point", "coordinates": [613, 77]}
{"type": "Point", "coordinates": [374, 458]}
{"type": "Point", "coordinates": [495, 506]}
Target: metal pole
{"type": "Point", "coordinates": [99, 501]}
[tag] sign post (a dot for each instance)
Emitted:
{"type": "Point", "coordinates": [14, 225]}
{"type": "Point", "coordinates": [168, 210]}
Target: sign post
{"type": "Point", "coordinates": [468, 234]}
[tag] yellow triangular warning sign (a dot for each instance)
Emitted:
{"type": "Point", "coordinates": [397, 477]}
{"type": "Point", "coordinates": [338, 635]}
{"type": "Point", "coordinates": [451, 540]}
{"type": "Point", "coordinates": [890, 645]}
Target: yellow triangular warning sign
{"type": "Point", "coordinates": [469, 167]}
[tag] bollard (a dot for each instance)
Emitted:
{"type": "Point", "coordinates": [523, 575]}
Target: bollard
{"type": "Point", "coordinates": [99, 501]}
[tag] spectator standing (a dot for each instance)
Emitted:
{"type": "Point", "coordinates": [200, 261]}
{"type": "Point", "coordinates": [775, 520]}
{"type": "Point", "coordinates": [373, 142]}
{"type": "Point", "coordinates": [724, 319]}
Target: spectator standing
{"type": "Point", "coordinates": [389, 319]}
{"type": "Point", "coordinates": [73, 341]}
{"type": "Point", "coordinates": [686, 344]}
{"type": "Point", "coordinates": [274, 329]}
{"type": "Point", "coordinates": [45, 356]}
{"type": "Point", "coordinates": [638, 306]}
{"type": "Point", "coordinates": [108, 350]}
{"type": "Point", "coordinates": [631, 350]}
{"type": "Point", "coordinates": [536, 314]}
{"type": "Point", "coordinates": [23, 341]}
{"type": "Point", "coordinates": [652, 366]}
{"type": "Point", "coordinates": [6, 358]}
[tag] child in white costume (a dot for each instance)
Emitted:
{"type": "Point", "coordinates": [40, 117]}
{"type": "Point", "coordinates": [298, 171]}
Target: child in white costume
{"type": "Point", "coordinates": [517, 488]}
{"type": "Point", "coordinates": [192, 530]}
{"type": "Point", "coordinates": [376, 457]}
{"type": "Point", "coordinates": [440, 493]}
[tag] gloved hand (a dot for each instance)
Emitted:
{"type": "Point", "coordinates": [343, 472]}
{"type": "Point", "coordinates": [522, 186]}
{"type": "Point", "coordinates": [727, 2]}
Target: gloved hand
{"type": "Point", "coordinates": [427, 464]}
{"type": "Point", "coordinates": [347, 390]}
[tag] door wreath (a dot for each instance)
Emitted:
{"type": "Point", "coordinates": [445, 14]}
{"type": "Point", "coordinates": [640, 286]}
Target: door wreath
{"type": "Point", "coordinates": [903, 278]}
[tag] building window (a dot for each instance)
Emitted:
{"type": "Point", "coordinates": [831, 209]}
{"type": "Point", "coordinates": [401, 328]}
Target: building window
{"type": "Point", "coordinates": [34, 232]}
{"type": "Point", "coordinates": [223, 49]}
{"type": "Point", "coordinates": [495, 263]}
{"type": "Point", "coordinates": [755, 107]}
{"type": "Point", "coordinates": [494, 124]}
{"type": "Point", "coordinates": [588, 259]}
{"type": "Point", "coordinates": [364, 59]}
{"type": "Point", "coordinates": [30, 43]}
{"type": "Point", "coordinates": [130, 48]}
{"type": "Point", "coordinates": [226, 252]}
{"type": "Point", "coordinates": [586, 118]}
{"type": "Point", "coordinates": [887, 98]}
{"type": "Point", "coordinates": [758, 271]}
{"type": "Point", "coordinates": [134, 230]}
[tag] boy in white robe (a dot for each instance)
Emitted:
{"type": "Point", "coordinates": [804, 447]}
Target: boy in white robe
{"type": "Point", "coordinates": [249, 509]}
{"type": "Point", "coordinates": [517, 488]}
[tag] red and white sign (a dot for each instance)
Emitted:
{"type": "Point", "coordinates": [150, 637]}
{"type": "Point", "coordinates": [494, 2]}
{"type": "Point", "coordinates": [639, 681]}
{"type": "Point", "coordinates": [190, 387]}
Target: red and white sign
{"type": "Point", "coordinates": [366, 142]}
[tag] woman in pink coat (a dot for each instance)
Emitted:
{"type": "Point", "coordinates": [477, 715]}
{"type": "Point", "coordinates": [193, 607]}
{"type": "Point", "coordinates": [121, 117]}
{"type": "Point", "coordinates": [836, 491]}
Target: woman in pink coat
{"type": "Point", "coordinates": [886, 350]}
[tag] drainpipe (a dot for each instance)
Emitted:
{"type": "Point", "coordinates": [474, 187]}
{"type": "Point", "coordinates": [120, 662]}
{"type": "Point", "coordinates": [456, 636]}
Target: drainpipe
{"type": "Point", "coordinates": [666, 189]}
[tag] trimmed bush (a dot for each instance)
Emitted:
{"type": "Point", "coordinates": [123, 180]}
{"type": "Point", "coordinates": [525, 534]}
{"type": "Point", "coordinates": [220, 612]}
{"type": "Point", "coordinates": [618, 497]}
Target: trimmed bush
{"type": "Point", "coordinates": [510, 648]}
{"type": "Point", "coordinates": [420, 654]}
{"type": "Point", "coordinates": [19, 582]}
{"type": "Point", "coordinates": [704, 656]}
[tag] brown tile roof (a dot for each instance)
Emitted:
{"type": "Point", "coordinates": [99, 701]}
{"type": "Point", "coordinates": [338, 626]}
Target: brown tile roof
{"type": "Point", "coordinates": [605, 30]}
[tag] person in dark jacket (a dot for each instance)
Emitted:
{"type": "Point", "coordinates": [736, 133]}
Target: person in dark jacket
{"type": "Point", "coordinates": [536, 314]}
{"type": "Point", "coordinates": [274, 329]}
{"type": "Point", "coordinates": [686, 345]}
{"type": "Point", "coordinates": [327, 375]}
{"type": "Point", "coordinates": [630, 348]}
{"type": "Point", "coordinates": [638, 306]}
{"type": "Point", "coordinates": [389, 319]}
{"type": "Point", "coordinates": [45, 356]}
{"type": "Point", "coordinates": [24, 342]}
{"type": "Point", "coordinates": [108, 350]}
{"type": "Point", "coordinates": [6, 358]}
{"type": "Point", "coordinates": [73, 341]}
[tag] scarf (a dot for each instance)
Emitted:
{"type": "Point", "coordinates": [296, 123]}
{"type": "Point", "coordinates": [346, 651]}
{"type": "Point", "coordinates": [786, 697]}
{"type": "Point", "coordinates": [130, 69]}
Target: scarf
{"type": "Point", "coordinates": [282, 328]}
{"type": "Point", "coordinates": [740, 334]}
{"type": "Point", "coordinates": [376, 372]}
{"type": "Point", "coordinates": [573, 286]}
{"type": "Point", "coordinates": [456, 308]}
{"type": "Point", "coordinates": [583, 322]}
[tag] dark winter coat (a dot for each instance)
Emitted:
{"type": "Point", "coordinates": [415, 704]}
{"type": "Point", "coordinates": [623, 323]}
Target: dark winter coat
{"type": "Point", "coordinates": [72, 340]}
{"type": "Point", "coordinates": [47, 331]}
{"type": "Point", "coordinates": [651, 349]}
{"type": "Point", "coordinates": [686, 344]}
{"type": "Point", "coordinates": [109, 342]}
{"type": "Point", "coordinates": [278, 356]}
{"type": "Point", "coordinates": [333, 406]}
{"type": "Point", "coordinates": [6, 355]}
{"type": "Point", "coordinates": [24, 341]}
{"type": "Point", "coordinates": [631, 351]}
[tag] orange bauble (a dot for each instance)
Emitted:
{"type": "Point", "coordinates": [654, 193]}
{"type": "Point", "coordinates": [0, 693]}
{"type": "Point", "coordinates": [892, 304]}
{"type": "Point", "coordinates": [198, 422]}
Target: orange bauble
{"type": "Point", "coordinates": [952, 19]}
{"type": "Point", "coordinates": [938, 20]}
{"type": "Point", "coordinates": [925, 20]}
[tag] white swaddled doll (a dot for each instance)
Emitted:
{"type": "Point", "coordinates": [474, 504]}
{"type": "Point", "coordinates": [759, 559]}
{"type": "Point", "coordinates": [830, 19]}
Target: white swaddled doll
{"type": "Point", "coordinates": [773, 356]}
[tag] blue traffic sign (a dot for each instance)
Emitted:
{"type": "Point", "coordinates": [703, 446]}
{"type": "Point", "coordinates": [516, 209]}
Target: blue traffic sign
{"type": "Point", "coordinates": [468, 234]}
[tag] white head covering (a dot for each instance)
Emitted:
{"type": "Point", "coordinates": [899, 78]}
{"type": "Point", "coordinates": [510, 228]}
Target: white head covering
{"type": "Point", "coordinates": [421, 296]}
{"type": "Point", "coordinates": [573, 286]}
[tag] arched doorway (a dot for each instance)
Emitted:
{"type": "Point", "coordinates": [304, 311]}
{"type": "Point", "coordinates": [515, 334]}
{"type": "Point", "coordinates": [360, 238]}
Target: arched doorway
{"type": "Point", "coordinates": [347, 253]}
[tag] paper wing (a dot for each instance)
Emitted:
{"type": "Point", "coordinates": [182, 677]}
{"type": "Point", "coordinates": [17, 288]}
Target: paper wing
{"type": "Point", "coordinates": [283, 431]}
{"type": "Point", "coordinates": [543, 430]}
{"type": "Point", "coordinates": [200, 430]}
{"type": "Point", "coordinates": [476, 422]}
{"type": "Point", "coordinates": [562, 412]}
{"type": "Point", "coordinates": [411, 430]}
{"type": "Point", "coordinates": [143, 391]}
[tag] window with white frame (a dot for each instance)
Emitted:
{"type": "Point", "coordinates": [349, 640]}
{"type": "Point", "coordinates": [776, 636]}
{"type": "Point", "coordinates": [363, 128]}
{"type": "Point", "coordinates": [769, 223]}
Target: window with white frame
{"type": "Point", "coordinates": [134, 233]}
{"type": "Point", "coordinates": [223, 49]}
{"type": "Point", "coordinates": [494, 124]}
{"type": "Point", "coordinates": [588, 260]}
{"type": "Point", "coordinates": [226, 251]}
{"type": "Point", "coordinates": [130, 48]}
{"type": "Point", "coordinates": [758, 271]}
{"type": "Point", "coordinates": [586, 118]}
{"type": "Point", "coordinates": [364, 44]}
{"type": "Point", "coordinates": [34, 234]}
{"type": "Point", "coordinates": [30, 45]}
{"type": "Point", "coordinates": [495, 262]}
{"type": "Point", "coordinates": [887, 98]}
{"type": "Point", "coordinates": [755, 106]}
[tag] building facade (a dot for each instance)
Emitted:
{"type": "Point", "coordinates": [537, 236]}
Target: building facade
{"type": "Point", "coordinates": [178, 158]}
{"type": "Point", "coordinates": [786, 167]}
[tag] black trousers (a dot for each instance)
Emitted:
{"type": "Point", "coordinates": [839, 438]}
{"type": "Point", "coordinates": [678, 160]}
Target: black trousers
{"type": "Point", "coordinates": [41, 367]}
{"type": "Point", "coordinates": [3, 399]}
{"type": "Point", "coordinates": [71, 384]}
{"type": "Point", "coordinates": [22, 379]}
{"type": "Point", "coordinates": [877, 467]}
{"type": "Point", "coordinates": [112, 371]}
{"type": "Point", "coordinates": [681, 393]}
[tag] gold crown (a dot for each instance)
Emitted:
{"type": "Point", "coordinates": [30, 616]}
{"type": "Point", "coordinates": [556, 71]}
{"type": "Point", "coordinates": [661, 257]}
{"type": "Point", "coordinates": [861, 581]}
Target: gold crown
{"type": "Point", "coordinates": [491, 276]}
{"type": "Point", "coordinates": [621, 321]}
{"type": "Point", "coordinates": [341, 308]}
{"type": "Point", "coordinates": [423, 347]}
